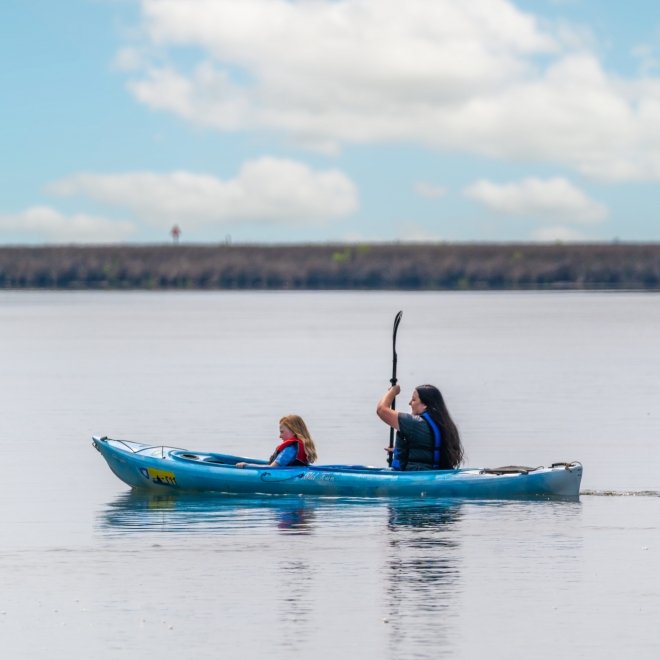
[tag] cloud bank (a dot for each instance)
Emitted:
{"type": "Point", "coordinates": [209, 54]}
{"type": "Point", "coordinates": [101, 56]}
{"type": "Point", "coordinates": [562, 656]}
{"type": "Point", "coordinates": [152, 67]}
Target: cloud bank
{"type": "Point", "coordinates": [266, 190]}
{"type": "Point", "coordinates": [482, 77]}
{"type": "Point", "coordinates": [43, 223]}
{"type": "Point", "coordinates": [549, 199]}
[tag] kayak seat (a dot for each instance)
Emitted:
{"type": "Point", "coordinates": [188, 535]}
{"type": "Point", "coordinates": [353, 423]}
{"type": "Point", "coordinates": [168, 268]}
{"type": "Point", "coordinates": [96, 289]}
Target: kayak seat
{"type": "Point", "coordinates": [206, 459]}
{"type": "Point", "coordinates": [510, 469]}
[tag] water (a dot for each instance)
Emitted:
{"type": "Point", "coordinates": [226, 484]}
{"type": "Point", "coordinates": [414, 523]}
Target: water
{"type": "Point", "coordinates": [89, 569]}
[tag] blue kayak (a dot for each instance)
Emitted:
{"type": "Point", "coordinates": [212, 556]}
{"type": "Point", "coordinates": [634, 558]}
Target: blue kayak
{"type": "Point", "coordinates": [160, 468]}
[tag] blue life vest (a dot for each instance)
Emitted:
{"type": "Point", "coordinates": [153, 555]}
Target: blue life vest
{"type": "Point", "coordinates": [396, 463]}
{"type": "Point", "coordinates": [437, 439]}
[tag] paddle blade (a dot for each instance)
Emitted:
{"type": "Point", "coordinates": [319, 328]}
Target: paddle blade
{"type": "Point", "coordinates": [397, 320]}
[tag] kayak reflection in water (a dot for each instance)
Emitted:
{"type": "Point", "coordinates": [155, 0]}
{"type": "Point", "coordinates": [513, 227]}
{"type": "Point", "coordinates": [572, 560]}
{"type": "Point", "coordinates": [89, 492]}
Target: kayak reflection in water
{"type": "Point", "coordinates": [427, 439]}
{"type": "Point", "coordinates": [296, 446]}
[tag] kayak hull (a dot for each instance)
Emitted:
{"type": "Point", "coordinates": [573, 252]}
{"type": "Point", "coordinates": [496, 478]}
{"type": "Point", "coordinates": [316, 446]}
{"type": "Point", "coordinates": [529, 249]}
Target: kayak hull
{"type": "Point", "coordinates": [159, 468]}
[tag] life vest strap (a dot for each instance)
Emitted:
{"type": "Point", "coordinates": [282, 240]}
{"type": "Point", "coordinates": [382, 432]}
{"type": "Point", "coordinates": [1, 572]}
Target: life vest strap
{"type": "Point", "coordinates": [437, 438]}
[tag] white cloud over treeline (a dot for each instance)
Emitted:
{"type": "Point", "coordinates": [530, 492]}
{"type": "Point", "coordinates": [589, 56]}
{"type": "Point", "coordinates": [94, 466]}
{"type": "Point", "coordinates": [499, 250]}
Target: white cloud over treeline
{"type": "Point", "coordinates": [265, 190]}
{"type": "Point", "coordinates": [548, 199]}
{"type": "Point", "coordinates": [482, 77]}
{"type": "Point", "coordinates": [43, 223]}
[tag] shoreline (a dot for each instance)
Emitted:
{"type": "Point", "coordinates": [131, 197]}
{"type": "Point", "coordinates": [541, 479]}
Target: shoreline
{"type": "Point", "coordinates": [341, 267]}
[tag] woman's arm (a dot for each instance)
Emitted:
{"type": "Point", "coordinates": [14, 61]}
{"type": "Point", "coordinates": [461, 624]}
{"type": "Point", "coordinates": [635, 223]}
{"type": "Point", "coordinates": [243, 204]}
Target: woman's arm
{"type": "Point", "coordinates": [384, 408]}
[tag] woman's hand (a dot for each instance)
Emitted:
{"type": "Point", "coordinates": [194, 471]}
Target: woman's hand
{"type": "Point", "coordinates": [396, 389]}
{"type": "Point", "coordinates": [241, 464]}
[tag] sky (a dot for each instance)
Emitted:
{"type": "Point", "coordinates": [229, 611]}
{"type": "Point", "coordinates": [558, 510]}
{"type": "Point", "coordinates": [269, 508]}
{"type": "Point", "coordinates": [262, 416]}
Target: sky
{"type": "Point", "coordinates": [288, 121]}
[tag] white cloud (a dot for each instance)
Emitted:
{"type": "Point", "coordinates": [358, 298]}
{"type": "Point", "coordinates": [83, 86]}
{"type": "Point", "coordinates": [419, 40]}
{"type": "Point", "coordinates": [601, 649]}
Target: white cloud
{"type": "Point", "coordinates": [559, 234]}
{"type": "Point", "coordinates": [648, 59]}
{"type": "Point", "coordinates": [430, 190]}
{"type": "Point", "coordinates": [266, 190]}
{"type": "Point", "coordinates": [481, 77]}
{"type": "Point", "coordinates": [414, 232]}
{"type": "Point", "coordinates": [554, 198]}
{"type": "Point", "coordinates": [128, 59]}
{"type": "Point", "coordinates": [43, 223]}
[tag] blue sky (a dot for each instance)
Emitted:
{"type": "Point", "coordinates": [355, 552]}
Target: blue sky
{"type": "Point", "coordinates": [329, 120]}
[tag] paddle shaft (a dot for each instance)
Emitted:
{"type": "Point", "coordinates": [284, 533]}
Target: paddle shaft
{"type": "Point", "coordinates": [397, 320]}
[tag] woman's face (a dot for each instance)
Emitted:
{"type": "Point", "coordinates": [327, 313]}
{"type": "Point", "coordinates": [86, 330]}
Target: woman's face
{"type": "Point", "coordinates": [285, 432]}
{"type": "Point", "coordinates": [415, 404]}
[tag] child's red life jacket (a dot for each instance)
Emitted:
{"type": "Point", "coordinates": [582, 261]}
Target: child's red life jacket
{"type": "Point", "coordinates": [301, 456]}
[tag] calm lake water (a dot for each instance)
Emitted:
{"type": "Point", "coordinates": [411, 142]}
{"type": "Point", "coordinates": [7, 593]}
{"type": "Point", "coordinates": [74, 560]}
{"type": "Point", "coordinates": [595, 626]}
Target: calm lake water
{"type": "Point", "coordinates": [90, 569]}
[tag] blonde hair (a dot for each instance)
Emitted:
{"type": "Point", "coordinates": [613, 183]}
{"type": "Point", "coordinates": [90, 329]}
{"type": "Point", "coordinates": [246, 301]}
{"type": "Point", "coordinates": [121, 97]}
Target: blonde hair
{"type": "Point", "coordinates": [298, 427]}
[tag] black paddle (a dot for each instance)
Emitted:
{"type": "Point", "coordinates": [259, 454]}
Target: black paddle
{"type": "Point", "coordinates": [397, 320]}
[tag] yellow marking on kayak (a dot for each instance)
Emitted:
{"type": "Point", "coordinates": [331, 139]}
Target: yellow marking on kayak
{"type": "Point", "coordinates": [162, 476]}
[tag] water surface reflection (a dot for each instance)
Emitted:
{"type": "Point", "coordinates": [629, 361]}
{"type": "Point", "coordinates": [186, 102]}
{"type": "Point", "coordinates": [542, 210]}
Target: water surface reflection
{"type": "Point", "coordinates": [204, 514]}
{"type": "Point", "coordinates": [423, 574]}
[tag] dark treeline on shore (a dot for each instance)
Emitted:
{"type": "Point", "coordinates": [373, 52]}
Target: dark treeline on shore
{"type": "Point", "coordinates": [369, 266]}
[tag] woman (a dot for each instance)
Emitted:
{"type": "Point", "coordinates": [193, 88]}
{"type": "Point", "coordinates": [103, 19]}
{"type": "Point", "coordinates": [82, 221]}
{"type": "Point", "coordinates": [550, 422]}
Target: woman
{"type": "Point", "coordinates": [296, 446]}
{"type": "Point", "coordinates": [426, 440]}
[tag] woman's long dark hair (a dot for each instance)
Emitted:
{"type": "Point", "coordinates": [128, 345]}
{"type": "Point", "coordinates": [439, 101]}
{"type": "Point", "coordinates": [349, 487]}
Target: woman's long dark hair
{"type": "Point", "coordinates": [451, 449]}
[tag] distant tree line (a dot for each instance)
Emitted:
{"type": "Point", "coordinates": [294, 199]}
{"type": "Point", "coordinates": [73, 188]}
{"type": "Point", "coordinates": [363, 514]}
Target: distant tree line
{"type": "Point", "coordinates": [370, 266]}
